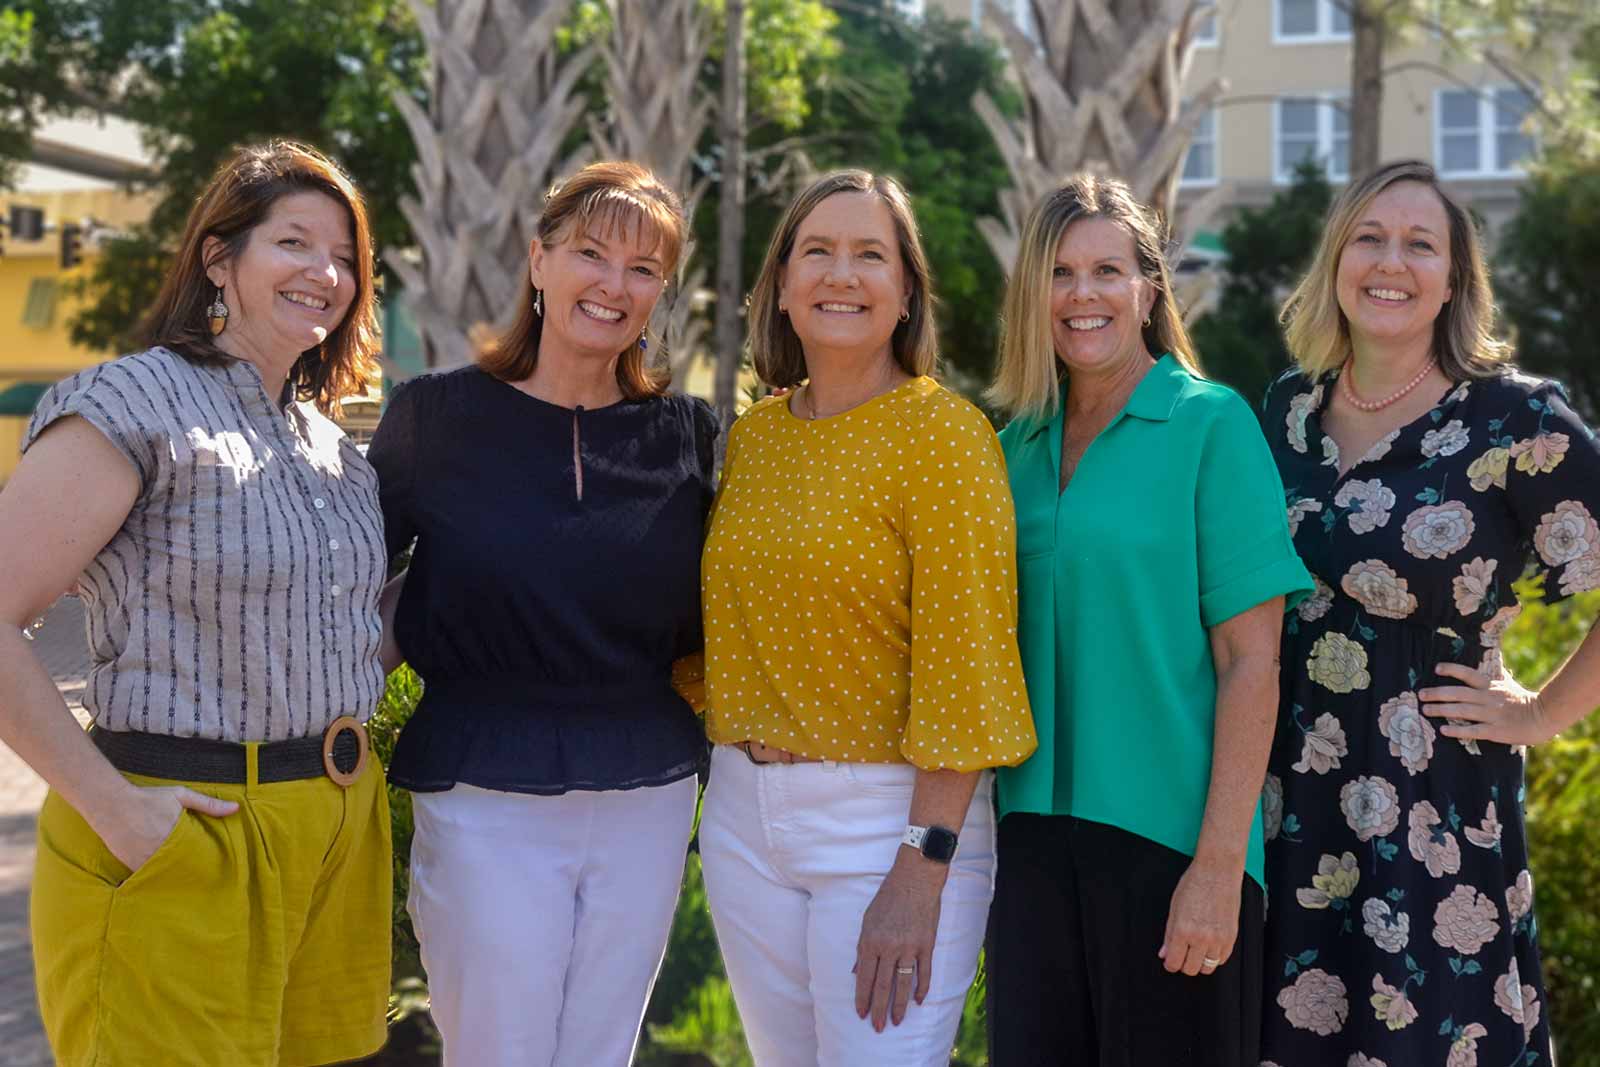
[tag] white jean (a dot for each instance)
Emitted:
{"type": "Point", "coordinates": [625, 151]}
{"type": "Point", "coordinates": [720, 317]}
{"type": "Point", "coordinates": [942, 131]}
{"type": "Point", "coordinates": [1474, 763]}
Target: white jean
{"type": "Point", "coordinates": [793, 854]}
{"type": "Point", "coordinates": [543, 920]}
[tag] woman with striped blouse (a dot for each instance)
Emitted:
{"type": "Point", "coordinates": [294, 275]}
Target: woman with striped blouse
{"type": "Point", "coordinates": [213, 873]}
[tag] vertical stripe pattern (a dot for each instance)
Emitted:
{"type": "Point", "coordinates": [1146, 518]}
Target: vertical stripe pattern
{"type": "Point", "coordinates": [239, 600]}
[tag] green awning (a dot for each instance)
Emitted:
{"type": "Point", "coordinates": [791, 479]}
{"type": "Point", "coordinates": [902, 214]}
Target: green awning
{"type": "Point", "coordinates": [1207, 241]}
{"type": "Point", "coordinates": [21, 398]}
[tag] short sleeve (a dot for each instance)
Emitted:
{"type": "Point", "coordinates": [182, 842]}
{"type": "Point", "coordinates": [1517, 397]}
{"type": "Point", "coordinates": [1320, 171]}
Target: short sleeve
{"type": "Point", "coordinates": [123, 400]}
{"type": "Point", "coordinates": [969, 707]}
{"type": "Point", "coordinates": [393, 454]}
{"type": "Point", "coordinates": [1245, 553]}
{"type": "Point", "coordinates": [1552, 478]}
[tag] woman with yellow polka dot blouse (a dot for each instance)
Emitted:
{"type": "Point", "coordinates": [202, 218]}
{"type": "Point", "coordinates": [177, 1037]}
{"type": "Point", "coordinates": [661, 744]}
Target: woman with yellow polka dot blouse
{"type": "Point", "coordinates": [861, 654]}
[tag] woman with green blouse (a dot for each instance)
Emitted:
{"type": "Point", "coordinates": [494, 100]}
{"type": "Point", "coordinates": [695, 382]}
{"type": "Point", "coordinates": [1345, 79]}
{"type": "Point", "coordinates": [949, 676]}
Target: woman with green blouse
{"type": "Point", "coordinates": [1153, 562]}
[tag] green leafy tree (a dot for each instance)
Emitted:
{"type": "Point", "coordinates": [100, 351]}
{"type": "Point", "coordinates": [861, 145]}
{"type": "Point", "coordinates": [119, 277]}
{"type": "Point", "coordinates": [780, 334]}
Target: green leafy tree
{"type": "Point", "coordinates": [893, 101]}
{"type": "Point", "coordinates": [1268, 249]}
{"type": "Point", "coordinates": [240, 71]}
{"type": "Point", "coordinates": [1546, 278]}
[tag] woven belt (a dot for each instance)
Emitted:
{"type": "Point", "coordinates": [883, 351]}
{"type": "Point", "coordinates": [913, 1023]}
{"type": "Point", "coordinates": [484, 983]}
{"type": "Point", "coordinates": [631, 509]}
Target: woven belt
{"type": "Point", "coordinates": [340, 753]}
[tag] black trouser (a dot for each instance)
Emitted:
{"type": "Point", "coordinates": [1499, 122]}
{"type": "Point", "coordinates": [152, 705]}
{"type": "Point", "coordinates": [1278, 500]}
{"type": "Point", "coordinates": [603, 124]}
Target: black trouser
{"type": "Point", "coordinates": [1080, 911]}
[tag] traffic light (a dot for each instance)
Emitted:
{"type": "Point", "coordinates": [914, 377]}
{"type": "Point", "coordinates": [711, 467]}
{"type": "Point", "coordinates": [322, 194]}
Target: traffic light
{"type": "Point", "coordinates": [71, 245]}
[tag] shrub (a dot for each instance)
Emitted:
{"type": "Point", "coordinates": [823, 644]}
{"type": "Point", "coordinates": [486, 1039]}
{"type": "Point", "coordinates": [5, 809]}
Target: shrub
{"type": "Point", "coordinates": [1563, 792]}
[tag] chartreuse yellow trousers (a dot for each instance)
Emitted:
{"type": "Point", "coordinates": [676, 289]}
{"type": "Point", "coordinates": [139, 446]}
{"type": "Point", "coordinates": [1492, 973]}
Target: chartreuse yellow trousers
{"type": "Point", "coordinates": [259, 938]}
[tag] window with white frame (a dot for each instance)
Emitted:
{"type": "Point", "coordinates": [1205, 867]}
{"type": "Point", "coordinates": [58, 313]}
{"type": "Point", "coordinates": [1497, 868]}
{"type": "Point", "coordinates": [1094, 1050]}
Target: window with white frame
{"type": "Point", "coordinates": [1480, 132]}
{"type": "Point", "coordinates": [1310, 20]}
{"type": "Point", "coordinates": [1312, 127]}
{"type": "Point", "coordinates": [1200, 165]}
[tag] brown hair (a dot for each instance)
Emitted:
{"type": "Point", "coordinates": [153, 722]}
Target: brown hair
{"type": "Point", "coordinates": [775, 348]}
{"type": "Point", "coordinates": [1463, 334]}
{"type": "Point", "coordinates": [239, 198]}
{"type": "Point", "coordinates": [613, 195]}
{"type": "Point", "coordinates": [1028, 378]}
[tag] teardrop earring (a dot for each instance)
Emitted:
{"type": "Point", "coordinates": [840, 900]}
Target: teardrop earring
{"type": "Point", "coordinates": [644, 345]}
{"type": "Point", "coordinates": [538, 302]}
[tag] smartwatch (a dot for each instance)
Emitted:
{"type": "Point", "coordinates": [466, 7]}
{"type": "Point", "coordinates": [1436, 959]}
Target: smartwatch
{"type": "Point", "coordinates": [934, 842]}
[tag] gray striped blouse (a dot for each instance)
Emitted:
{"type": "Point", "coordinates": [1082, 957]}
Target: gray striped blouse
{"type": "Point", "coordinates": [239, 600]}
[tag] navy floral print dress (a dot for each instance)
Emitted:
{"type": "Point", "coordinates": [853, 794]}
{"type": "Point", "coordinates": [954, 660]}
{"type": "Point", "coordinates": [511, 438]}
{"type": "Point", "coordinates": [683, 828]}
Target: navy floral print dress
{"type": "Point", "coordinates": [1400, 928]}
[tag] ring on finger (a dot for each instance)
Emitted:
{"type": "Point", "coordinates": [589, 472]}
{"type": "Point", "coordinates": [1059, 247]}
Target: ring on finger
{"type": "Point", "coordinates": [904, 969]}
{"type": "Point", "coordinates": [1210, 964]}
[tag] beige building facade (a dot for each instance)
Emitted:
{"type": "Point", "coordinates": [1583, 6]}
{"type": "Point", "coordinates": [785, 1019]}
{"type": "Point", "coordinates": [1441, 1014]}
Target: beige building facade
{"type": "Point", "coordinates": [1286, 66]}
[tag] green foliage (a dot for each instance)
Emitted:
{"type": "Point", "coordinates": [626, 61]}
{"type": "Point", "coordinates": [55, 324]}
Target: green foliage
{"type": "Point", "coordinates": [399, 701]}
{"type": "Point", "coordinates": [1545, 273]}
{"type": "Point", "coordinates": [16, 46]}
{"type": "Point", "coordinates": [785, 41]}
{"type": "Point", "coordinates": [1563, 794]}
{"type": "Point", "coordinates": [1268, 249]}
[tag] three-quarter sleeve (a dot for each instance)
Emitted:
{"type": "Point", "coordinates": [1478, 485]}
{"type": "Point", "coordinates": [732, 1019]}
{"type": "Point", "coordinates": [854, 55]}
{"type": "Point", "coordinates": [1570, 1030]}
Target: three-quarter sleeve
{"type": "Point", "coordinates": [1245, 553]}
{"type": "Point", "coordinates": [123, 401]}
{"type": "Point", "coordinates": [1550, 462]}
{"type": "Point", "coordinates": [969, 708]}
{"type": "Point", "coordinates": [393, 454]}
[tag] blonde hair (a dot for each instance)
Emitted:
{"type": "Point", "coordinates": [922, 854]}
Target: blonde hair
{"type": "Point", "coordinates": [613, 196]}
{"type": "Point", "coordinates": [775, 348]}
{"type": "Point", "coordinates": [1463, 334]}
{"type": "Point", "coordinates": [1029, 375]}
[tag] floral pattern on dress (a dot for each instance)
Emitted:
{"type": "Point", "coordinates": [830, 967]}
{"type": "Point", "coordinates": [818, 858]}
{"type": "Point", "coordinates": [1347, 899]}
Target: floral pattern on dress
{"type": "Point", "coordinates": [1402, 853]}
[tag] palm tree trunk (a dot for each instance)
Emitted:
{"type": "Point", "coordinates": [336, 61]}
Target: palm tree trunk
{"type": "Point", "coordinates": [657, 115]}
{"type": "Point", "coordinates": [488, 146]}
{"type": "Point", "coordinates": [1102, 88]}
{"type": "Point", "coordinates": [729, 332]}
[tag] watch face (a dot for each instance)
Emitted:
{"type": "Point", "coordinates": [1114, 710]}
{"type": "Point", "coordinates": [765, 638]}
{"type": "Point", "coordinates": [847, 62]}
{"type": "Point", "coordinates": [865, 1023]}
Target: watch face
{"type": "Point", "coordinates": [939, 844]}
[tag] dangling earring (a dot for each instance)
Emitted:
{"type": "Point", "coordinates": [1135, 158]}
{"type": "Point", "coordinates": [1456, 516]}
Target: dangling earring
{"type": "Point", "coordinates": [644, 345]}
{"type": "Point", "coordinates": [218, 314]}
{"type": "Point", "coordinates": [538, 302]}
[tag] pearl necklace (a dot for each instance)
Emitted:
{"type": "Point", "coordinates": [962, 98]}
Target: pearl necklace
{"type": "Point", "coordinates": [1349, 390]}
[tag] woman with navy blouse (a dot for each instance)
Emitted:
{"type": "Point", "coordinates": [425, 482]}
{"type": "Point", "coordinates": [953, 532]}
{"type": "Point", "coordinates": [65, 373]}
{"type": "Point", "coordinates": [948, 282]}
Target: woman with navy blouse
{"type": "Point", "coordinates": [557, 500]}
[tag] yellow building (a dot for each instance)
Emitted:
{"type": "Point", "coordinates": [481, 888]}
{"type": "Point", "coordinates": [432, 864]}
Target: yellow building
{"type": "Point", "coordinates": [75, 184]}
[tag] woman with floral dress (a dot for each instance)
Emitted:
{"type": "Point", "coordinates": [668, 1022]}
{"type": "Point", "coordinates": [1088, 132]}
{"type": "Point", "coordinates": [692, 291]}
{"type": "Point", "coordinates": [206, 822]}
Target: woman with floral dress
{"type": "Point", "coordinates": [1422, 477]}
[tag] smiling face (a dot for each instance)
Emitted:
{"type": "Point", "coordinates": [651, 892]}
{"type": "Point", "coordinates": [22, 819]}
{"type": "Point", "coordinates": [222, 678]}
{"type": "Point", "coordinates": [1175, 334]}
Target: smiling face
{"type": "Point", "coordinates": [600, 285]}
{"type": "Point", "coordinates": [292, 284]}
{"type": "Point", "coordinates": [844, 284]}
{"type": "Point", "coordinates": [1394, 271]}
{"type": "Point", "coordinates": [1098, 298]}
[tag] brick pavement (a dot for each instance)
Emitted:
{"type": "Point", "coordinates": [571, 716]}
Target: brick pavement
{"type": "Point", "coordinates": [60, 643]}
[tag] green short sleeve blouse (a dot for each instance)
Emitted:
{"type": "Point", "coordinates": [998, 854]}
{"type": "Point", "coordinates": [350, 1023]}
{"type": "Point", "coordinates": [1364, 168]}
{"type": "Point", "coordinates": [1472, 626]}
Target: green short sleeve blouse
{"type": "Point", "coordinates": [1174, 521]}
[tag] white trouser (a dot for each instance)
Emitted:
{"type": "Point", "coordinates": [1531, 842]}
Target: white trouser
{"type": "Point", "coordinates": [793, 854]}
{"type": "Point", "coordinates": [543, 920]}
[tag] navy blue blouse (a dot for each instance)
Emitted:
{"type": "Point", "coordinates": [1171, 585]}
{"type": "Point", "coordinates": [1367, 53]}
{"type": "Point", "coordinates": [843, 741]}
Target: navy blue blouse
{"type": "Point", "coordinates": [555, 579]}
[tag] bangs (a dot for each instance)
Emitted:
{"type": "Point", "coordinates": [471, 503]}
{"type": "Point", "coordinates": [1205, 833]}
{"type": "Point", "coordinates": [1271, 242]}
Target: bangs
{"type": "Point", "coordinates": [609, 212]}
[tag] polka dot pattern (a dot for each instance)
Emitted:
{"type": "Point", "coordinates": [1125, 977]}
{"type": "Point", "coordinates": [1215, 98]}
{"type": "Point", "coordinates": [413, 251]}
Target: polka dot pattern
{"type": "Point", "coordinates": [859, 586]}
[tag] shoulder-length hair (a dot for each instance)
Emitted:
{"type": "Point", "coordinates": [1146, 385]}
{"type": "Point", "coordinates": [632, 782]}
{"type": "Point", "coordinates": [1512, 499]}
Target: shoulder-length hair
{"type": "Point", "coordinates": [775, 348]}
{"type": "Point", "coordinates": [1028, 376]}
{"type": "Point", "coordinates": [239, 198]}
{"type": "Point", "coordinates": [1463, 333]}
{"type": "Point", "coordinates": [609, 197]}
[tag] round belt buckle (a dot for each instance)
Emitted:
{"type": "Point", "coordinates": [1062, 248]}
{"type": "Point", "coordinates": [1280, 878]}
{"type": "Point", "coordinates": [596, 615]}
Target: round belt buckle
{"type": "Point", "coordinates": [338, 726]}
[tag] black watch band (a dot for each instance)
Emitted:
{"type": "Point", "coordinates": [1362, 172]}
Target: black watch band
{"type": "Point", "coordinates": [934, 842]}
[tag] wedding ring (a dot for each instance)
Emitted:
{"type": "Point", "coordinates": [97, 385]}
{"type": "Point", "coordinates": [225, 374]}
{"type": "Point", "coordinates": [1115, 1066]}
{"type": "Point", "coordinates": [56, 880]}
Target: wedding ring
{"type": "Point", "coordinates": [905, 970]}
{"type": "Point", "coordinates": [1208, 963]}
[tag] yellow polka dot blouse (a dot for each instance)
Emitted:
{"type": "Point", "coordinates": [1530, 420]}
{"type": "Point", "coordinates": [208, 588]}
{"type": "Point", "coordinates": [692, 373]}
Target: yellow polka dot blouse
{"type": "Point", "coordinates": [859, 586]}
